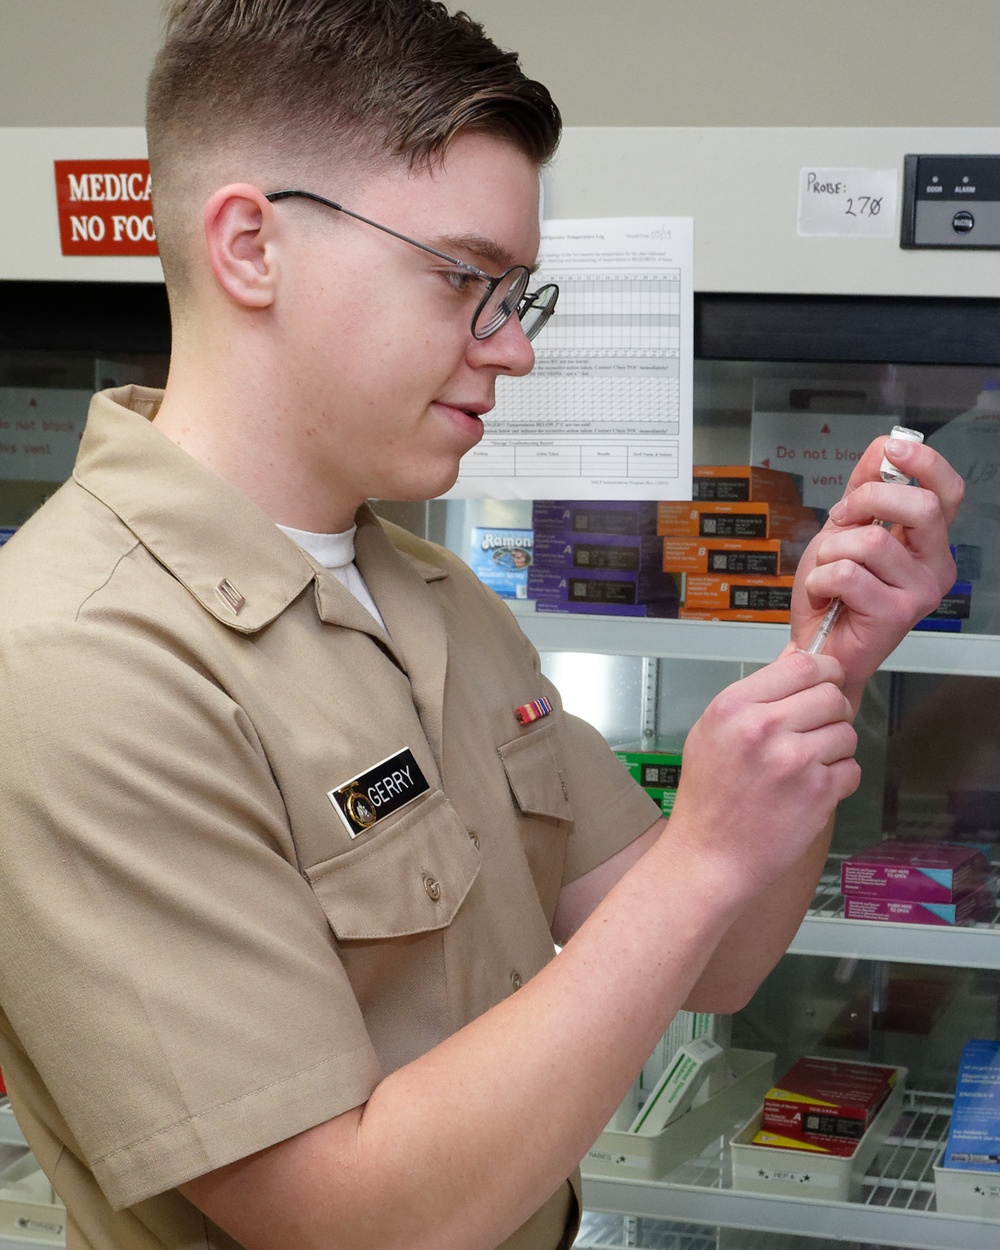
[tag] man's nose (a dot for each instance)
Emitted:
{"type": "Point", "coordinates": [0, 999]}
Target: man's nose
{"type": "Point", "coordinates": [508, 350]}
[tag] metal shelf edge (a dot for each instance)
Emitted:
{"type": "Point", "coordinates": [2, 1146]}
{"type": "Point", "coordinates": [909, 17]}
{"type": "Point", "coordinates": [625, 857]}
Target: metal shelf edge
{"type": "Point", "coordinates": [975, 655]}
{"type": "Point", "coordinates": [951, 946]}
{"type": "Point", "coordinates": [917, 1230]}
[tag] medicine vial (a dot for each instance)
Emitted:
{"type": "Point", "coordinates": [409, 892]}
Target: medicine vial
{"type": "Point", "coordinates": [888, 471]}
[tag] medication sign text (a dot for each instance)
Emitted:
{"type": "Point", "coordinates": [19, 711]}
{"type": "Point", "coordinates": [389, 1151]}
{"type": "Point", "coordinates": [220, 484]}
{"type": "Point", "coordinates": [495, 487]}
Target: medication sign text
{"type": "Point", "coordinates": [105, 208]}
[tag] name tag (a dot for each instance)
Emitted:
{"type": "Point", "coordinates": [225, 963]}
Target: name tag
{"type": "Point", "coordinates": [378, 792]}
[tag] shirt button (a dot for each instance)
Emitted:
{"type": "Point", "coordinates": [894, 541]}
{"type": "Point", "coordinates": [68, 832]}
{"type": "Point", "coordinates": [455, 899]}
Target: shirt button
{"type": "Point", "coordinates": [433, 887]}
{"type": "Point", "coordinates": [474, 838]}
{"type": "Point", "coordinates": [516, 979]}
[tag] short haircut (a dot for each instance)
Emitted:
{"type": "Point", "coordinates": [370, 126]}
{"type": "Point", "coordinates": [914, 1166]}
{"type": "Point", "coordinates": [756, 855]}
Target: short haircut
{"type": "Point", "coordinates": [367, 80]}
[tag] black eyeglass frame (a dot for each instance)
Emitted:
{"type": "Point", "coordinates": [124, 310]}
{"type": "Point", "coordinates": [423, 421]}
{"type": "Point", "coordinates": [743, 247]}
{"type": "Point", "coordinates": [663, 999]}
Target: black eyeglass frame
{"type": "Point", "coordinates": [520, 303]}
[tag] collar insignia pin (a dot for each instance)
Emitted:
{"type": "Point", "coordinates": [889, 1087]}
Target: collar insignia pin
{"type": "Point", "coordinates": [230, 596]}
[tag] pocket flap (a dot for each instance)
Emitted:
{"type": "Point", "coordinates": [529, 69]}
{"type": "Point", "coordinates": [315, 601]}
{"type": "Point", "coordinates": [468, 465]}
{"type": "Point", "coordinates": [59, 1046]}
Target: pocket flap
{"type": "Point", "coordinates": [534, 775]}
{"type": "Point", "coordinates": [411, 879]}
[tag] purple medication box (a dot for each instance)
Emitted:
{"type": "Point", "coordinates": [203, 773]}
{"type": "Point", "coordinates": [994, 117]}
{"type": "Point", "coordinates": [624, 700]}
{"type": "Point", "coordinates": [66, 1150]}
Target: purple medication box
{"type": "Point", "coordinates": [626, 553]}
{"type": "Point", "coordinates": [966, 909]}
{"type": "Point", "coordinates": [921, 872]}
{"type": "Point", "coordinates": [594, 516]}
{"type": "Point", "coordinates": [560, 582]}
{"type": "Point", "coordinates": [661, 609]}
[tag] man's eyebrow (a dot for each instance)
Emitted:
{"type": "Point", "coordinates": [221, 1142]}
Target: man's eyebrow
{"type": "Point", "coordinates": [487, 250]}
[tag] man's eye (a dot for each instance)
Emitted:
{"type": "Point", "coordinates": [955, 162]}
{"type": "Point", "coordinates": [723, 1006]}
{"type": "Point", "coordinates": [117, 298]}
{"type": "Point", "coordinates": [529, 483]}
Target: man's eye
{"type": "Point", "coordinates": [461, 280]}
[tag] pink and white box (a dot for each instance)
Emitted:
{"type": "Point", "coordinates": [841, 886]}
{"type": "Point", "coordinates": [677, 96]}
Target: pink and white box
{"type": "Point", "coordinates": [920, 872]}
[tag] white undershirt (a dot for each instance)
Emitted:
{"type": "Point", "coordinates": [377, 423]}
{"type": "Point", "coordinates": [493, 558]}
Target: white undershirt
{"type": "Point", "coordinates": [336, 553]}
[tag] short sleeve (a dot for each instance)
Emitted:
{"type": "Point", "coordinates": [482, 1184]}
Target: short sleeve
{"type": "Point", "coordinates": [149, 887]}
{"type": "Point", "coordinates": [610, 808]}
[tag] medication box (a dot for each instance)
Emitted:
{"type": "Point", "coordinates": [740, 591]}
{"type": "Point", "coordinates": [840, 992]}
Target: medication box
{"type": "Point", "coordinates": [741, 593]}
{"type": "Point", "coordinates": [628, 553]}
{"type": "Point", "coordinates": [923, 872]}
{"type": "Point", "coordinates": [825, 1104]}
{"type": "Point", "coordinates": [736, 483]}
{"type": "Point", "coordinates": [619, 1153]}
{"type": "Point", "coordinates": [805, 1174]}
{"type": "Point", "coordinates": [675, 1091]}
{"type": "Point", "coordinates": [687, 1026]}
{"type": "Point", "coordinates": [610, 516]}
{"type": "Point", "coordinates": [955, 606]}
{"type": "Point", "coordinates": [778, 617]}
{"type": "Point", "coordinates": [658, 609]}
{"type": "Point", "coordinates": [734, 520]}
{"type": "Point", "coordinates": [500, 558]}
{"type": "Point", "coordinates": [770, 557]}
{"type": "Point", "coordinates": [966, 909]}
{"type": "Point", "coordinates": [658, 772]}
{"type": "Point", "coordinates": [600, 586]}
{"type": "Point", "coordinates": [600, 572]}
{"type": "Point", "coordinates": [974, 1136]}
{"type": "Point", "coordinates": [967, 1176]}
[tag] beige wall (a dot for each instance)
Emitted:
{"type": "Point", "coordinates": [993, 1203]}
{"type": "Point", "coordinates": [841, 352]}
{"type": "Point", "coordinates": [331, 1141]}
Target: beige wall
{"type": "Point", "coordinates": [75, 62]}
{"type": "Point", "coordinates": [608, 62]}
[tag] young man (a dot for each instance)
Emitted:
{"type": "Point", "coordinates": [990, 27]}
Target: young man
{"type": "Point", "coordinates": [282, 868]}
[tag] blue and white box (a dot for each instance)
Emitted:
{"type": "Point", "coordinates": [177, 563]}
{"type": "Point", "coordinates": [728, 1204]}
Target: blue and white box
{"type": "Point", "coordinates": [974, 1136]}
{"type": "Point", "coordinates": [501, 557]}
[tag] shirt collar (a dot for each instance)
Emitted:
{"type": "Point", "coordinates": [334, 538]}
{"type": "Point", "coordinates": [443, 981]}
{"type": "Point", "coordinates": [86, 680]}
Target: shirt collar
{"type": "Point", "coordinates": [227, 552]}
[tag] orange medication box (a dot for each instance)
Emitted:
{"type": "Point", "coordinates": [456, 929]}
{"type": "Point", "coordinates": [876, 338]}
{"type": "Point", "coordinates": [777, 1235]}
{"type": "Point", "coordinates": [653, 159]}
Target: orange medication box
{"type": "Point", "coordinates": [735, 483]}
{"type": "Point", "coordinates": [739, 614]}
{"type": "Point", "coordinates": [689, 519]}
{"type": "Point", "coordinates": [728, 594]}
{"type": "Point", "coordinates": [762, 557]}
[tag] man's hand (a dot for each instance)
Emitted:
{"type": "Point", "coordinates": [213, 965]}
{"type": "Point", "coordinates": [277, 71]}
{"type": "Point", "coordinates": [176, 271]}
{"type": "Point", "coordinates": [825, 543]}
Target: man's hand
{"type": "Point", "coordinates": [764, 767]}
{"type": "Point", "coordinates": [888, 579]}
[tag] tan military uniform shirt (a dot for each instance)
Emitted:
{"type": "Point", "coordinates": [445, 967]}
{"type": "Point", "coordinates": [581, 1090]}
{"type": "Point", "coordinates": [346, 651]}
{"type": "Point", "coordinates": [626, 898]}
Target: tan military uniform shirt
{"type": "Point", "coordinates": [257, 851]}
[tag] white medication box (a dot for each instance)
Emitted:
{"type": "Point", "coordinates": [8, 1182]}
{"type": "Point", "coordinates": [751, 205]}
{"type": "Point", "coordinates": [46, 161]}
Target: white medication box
{"type": "Point", "coordinates": [675, 1091]}
{"type": "Point", "coordinates": [620, 1153]}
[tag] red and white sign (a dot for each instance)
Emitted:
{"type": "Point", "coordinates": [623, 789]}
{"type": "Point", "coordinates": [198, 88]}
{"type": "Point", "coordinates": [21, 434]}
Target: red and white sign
{"type": "Point", "coordinates": [105, 208]}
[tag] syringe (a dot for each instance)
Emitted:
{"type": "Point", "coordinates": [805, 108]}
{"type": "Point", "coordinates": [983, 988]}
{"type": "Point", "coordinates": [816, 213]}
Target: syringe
{"type": "Point", "coordinates": [889, 473]}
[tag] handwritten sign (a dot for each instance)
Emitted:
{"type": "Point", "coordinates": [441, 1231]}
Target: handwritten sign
{"type": "Point", "coordinates": [851, 203]}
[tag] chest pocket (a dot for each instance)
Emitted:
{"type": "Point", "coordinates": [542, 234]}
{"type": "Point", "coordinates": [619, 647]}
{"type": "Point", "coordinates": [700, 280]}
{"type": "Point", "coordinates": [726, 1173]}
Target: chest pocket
{"type": "Point", "coordinates": [534, 775]}
{"type": "Point", "coordinates": [411, 878]}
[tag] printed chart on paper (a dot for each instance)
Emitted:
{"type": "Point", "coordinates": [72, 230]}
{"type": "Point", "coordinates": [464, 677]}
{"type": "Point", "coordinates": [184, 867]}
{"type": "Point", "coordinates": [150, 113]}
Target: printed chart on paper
{"type": "Point", "coordinates": [607, 411]}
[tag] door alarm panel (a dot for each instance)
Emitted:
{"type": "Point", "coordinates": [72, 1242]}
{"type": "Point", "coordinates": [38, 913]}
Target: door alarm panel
{"type": "Point", "coordinates": [951, 201]}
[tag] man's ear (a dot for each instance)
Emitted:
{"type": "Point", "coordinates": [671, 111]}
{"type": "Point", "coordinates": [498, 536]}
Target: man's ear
{"type": "Point", "coordinates": [240, 247]}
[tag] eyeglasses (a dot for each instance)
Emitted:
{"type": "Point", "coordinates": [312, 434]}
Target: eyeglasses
{"type": "Point", "coordinates": [504, 296]}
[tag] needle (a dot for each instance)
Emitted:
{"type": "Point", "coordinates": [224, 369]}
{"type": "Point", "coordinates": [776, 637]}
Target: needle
{"type": "Point", "coordinates": [889, 473]}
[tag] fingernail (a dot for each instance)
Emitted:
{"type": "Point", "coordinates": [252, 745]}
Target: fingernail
{"type": "Point", "coordinates": [837, 511]}
{"type": "Point", "coordinates": [897, 447]}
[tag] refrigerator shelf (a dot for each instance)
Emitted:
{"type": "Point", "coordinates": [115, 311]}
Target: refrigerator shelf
{"type": "Point", "coordinates": [743, 642]}
{"type": "Point", "coordinates": [824, 931]}
{"type": "Point", "coordinates": [897, 1208]}
{"type": "Point", "coordinates": [615, 1232]}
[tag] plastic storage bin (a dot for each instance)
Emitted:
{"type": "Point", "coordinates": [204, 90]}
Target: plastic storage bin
{"type": "Point", "coordinates": [620, 1154]}
{"type": "Point", "coordinates": [963, 1191]}
{"type": "Point", "coordinates": [29, 1207]}
{"type": "Point", "coordinates": [804, 1173]}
